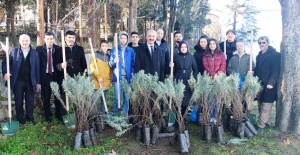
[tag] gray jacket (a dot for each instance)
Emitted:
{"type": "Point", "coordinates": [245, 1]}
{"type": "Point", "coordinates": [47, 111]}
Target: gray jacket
{"type": "Point", "coordinates": [239, 65]}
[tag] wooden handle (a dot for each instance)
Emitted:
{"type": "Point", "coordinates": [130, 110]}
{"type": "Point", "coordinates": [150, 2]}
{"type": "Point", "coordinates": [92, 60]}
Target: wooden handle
{"type": "Point", "coordinates": [104, 101]}
{"type": "Point", "coordinates": [251, 50]}
{"type": "Point", "coordinates": [64, 60]}
{"type": "Point", "coordinates": [117, 68]}
{"type": "Point", "coordinates": [172, 54]}
{"type": "Point", "coordinates": [93, 54]}
{"type": "Point", "coordinates": [8, 80]}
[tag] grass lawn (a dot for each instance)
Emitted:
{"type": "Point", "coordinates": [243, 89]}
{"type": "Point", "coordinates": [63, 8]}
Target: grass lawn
{"type": "Point", "coordinates": [54, 138]}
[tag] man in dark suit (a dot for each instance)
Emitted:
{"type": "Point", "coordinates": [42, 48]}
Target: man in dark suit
{"type": "Point", "coordinates": [150, 58]}
{"type": "Point", "coordinates": [165, 47]}
{"type": "Point", "coordinates": [46, 53]}
{"type": "Point", "coordinates": [25, 77]}
{"type": "Point", "coordinates": [75, 58]}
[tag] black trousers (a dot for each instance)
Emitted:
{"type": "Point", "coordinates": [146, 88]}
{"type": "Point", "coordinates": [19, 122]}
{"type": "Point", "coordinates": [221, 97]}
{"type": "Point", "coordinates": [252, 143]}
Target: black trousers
{"type": "Point", "coordinates": [46, 92]}
{"type": "Point", "coordinates": [20, 89]}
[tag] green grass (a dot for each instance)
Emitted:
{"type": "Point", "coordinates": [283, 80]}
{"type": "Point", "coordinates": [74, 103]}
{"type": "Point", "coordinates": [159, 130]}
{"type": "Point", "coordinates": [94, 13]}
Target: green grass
{"type": "Point", "coordinates": [54, 138]}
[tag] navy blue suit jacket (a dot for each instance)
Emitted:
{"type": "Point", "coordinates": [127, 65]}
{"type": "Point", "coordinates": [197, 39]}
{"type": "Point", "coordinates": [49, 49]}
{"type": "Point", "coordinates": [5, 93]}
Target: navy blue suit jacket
{"type": "Point", "coordinates": [15, 59]}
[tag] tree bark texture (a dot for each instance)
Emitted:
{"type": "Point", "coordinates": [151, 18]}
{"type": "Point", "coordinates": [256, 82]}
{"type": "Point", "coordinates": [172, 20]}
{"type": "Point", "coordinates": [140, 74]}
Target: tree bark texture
{"type": "Point", "coordinates": [132, 15]}
{"type": "Point", "coordinates": [165, 18]}
{"type": "Point", "coordinates": [40, 23]}
{"type": "Point", "coordinates": [172, 17]}
{"type": "Point", "coordinates": [288, 103]}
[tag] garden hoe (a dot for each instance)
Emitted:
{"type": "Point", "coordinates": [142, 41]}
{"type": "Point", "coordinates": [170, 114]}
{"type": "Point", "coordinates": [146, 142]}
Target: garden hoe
{"type": "Point", "coordinates": [10, 127]}
{"type": "Point", "coordinates": [171, 114]}
{"type": "Point", "coordinates": [252, 117]}
{"type": "Point", "coordinates": [69, 119]}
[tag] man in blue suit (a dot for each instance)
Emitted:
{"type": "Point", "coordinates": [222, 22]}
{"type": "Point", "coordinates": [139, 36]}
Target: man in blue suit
{"type": "Point", "coordinates": [25, 77]}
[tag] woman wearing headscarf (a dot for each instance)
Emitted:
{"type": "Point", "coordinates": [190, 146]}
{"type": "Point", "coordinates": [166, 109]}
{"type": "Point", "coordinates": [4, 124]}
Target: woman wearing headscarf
{"type": "Point", "coordinates": [184, 65]}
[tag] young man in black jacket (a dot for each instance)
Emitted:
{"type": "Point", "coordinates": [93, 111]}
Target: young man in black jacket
{"type": "Point", "coordinates": [46, 53]}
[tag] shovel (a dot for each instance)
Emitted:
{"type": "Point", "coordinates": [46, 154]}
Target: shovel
{"type": "Point", "coordinates": [69, 119]}
{"type": "Point", "coordinates": [10, 127]}
{"type": "Point", "coordinates": [119, 113]}
{"type": "Point", "coordinates": [94, 57]}
{"type": "Point", "coordinates": [171, 114]}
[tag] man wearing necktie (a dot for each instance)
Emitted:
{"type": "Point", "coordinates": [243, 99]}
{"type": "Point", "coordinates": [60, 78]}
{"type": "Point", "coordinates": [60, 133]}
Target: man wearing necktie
{"type": "Point", "coordinates": [150, 58]}
{"type": "Point", "coordinates": [24, 77]}
{"type": "Point", "coordinates": [46, 53]}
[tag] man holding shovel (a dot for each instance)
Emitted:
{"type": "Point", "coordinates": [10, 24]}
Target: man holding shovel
{"type": "Point", "coordinates": [25, 77]}
{"type": "Point", "coordinates": [46, 53]}
{"type": "Point", "coordinates": [122, 62]}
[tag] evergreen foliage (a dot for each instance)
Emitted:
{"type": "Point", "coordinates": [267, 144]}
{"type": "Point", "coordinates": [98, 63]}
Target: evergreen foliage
{"type": "Point", "coordinates": [201, 89]}
{"type": "Point", "coordinates": [82, 97]}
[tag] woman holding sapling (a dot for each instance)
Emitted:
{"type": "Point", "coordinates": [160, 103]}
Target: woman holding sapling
{"type": "Point", "coordinates": [184, 65]}
{"type": "Point", "coordinates": [214, 60]}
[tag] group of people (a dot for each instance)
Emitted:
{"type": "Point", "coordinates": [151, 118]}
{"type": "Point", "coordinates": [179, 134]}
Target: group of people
{"type": "Point", "coordinates": [32, 69]}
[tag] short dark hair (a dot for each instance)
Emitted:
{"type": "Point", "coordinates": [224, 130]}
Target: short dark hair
{"type": "Point", "coordinates": [69, 32]}
{"type": "Point", "coordinates": [50, 34]}
{"type": "Point", "coordinates": [177, 32]}
{"type": "Point", "coordinates": [134, 32]}
{"type": "Point", "coordinates": [217, 44]}
{"type": "Point", "coordinates": [103, 42]}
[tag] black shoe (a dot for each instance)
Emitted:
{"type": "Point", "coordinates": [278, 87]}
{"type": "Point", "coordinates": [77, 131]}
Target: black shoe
{"type": "Point", "coordinates": [33, 122]}
{"type": "Point", "coordinates": [21, 122]}
{"type": "Point", "coordinates": [49, 119]}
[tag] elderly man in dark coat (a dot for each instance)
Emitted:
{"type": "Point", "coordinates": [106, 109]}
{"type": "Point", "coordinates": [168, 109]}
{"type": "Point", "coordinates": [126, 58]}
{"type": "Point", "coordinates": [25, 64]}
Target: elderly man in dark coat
{"type": "Point", "coordinates": [150, 58]}
{"type": "Point", "coordinates": [25, 77]}
{"type": "Point", "coordinates": [267, 69]}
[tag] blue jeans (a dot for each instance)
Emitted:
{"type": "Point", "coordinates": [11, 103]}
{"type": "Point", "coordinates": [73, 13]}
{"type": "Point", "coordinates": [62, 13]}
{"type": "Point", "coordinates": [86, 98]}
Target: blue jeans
{"type": "Point", "coordinates": [125, 106]}
{"type": "Point", "coordinates": [102, 109]}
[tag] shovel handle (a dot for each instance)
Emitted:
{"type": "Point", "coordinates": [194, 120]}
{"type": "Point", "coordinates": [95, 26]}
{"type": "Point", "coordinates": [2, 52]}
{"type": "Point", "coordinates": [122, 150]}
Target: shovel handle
{"type": "Point", "coordinates": [8, 80]}
{"type": "Point", "coordinates": [64, 60]}
{"type": "Point", "coordinates": [117, 68]}
{"type": "Point", "coordinates": [104, 101]}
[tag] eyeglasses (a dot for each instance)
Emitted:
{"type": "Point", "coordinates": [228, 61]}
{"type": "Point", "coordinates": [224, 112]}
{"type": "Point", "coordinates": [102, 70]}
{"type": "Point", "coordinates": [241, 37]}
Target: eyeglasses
{"type": "Point", "coordinates": [262, 42]}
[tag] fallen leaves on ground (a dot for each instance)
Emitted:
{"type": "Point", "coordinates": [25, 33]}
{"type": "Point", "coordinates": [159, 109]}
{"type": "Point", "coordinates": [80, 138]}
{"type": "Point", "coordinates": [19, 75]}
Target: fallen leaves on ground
{"type": "Point", "coordinates": [287, 141]}
{"type": "Point", "coordinates": [33, 152]}
{"type": "Point", "coordinates": [112, 153]}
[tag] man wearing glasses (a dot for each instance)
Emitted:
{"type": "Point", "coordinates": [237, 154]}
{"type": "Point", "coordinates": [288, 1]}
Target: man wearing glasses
{"type": "Point", "coordinates": [267, 69]}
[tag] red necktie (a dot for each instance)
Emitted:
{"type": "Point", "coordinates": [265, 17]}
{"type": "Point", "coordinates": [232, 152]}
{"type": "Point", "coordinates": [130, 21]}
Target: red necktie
{"type": "Point", "coordinates": [50, 61]}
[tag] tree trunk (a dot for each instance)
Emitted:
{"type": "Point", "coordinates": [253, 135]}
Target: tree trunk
{"type": "Point", "coordinates": [40, 23]}
{"type": "Point", "coordinates": [288, 103]}
{"type": "Point", "coordinates": [132, 15]}
{"type": "Point", "coordinates": [165, 18]}
{"type": "Point", "coordinates": [13, 32]}
{"type": "Point", "coordinates": [172, 17]}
